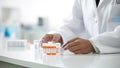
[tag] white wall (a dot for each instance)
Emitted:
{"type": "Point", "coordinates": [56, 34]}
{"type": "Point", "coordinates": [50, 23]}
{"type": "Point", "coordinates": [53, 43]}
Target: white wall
{"type": "Point", "coordinates": [54, 10]}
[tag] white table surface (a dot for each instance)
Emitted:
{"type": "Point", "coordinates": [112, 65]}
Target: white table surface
{"type": "Point", "coordinates": [31, 58]}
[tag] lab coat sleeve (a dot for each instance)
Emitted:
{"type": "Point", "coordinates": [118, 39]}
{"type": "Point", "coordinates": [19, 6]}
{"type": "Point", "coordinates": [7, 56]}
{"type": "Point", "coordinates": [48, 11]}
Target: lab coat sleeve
{"type": "Point", "coordinates": [108, 42]}
{"type": "Point", "coordinates": [73, 26]}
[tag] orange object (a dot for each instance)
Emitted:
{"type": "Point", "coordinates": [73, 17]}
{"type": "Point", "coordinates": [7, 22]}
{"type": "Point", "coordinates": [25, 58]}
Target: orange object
{"type": "Point", "coordinates": [48, 46]}
{"type": "Point", "coordinates": [51, 53]}
{"type": "Point", "coordinates": [28, 41]}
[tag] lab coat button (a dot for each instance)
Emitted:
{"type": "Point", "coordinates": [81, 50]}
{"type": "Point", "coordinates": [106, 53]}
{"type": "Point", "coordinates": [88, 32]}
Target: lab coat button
{"type": "Point", "coordinates": [96, 20]}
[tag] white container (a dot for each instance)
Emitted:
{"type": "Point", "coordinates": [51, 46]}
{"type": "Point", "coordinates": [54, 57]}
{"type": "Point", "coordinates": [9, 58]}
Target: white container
{"type": "Point", "coordinates": [16, 45]}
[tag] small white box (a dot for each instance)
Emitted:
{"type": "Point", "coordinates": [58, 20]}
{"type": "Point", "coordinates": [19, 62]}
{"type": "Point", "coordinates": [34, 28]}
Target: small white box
{"type": "Point", "coordinates": [16, 44]}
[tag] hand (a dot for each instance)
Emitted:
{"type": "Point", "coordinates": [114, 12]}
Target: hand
{"type": "Point", "coordinates": [52, 37]}
{"type": "Point", "coordinates": [79, 46]}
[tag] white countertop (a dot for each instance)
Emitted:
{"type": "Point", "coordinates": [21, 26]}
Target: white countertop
{"type": "Point", "coordinates": [31, 58]}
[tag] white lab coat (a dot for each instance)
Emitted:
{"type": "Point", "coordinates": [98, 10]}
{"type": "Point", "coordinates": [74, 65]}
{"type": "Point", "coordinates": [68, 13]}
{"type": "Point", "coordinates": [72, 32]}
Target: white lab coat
{"type": "Point", "coordinates": [93, 23]}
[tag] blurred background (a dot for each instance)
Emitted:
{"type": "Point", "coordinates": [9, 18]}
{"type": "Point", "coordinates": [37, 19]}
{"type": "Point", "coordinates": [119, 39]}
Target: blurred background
{"type": "Point", "coordinates": [30, 19]}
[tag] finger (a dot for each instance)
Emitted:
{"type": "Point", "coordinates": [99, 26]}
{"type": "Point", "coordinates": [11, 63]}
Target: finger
{"type": "Point", "coordinates": [71, 44]}
{"type": "Point", "coordinates": [70, 41]}
{"type": "Point", "coordinates": [75, 48]}
{"type": "Point", "coordinates": [56, 38]}
{"type": "Point", "coordinates": [82, 51]}
{"type": "Point", "coordinates": [46, 38]}
{"type": "Point", "coordinates": [50, 37]}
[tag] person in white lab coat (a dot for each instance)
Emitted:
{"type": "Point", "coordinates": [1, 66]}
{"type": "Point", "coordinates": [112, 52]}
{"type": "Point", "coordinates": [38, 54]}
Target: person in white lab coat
{"type": "Point", "coordinates": [91, 28]}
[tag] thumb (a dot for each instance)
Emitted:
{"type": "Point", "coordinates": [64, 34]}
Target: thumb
{"type": "Point", "coordinates": [56, 38]}
{"type": "Point", "coordinates": [47, 37]}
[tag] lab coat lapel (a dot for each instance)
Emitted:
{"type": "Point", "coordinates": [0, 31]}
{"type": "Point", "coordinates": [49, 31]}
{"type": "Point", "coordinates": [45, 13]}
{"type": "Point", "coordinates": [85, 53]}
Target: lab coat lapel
{"type": "Point", "coordinates": [103, 14]}
{"type": "Point", "coordinates": [90, 16]}
{"type": "Point", "coordinates": [100, 3]}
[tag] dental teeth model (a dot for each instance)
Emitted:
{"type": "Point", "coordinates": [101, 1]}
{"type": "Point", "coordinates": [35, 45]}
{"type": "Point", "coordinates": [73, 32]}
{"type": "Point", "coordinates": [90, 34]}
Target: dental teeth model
{"type": "Point", "coordinates": [51, 48]}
